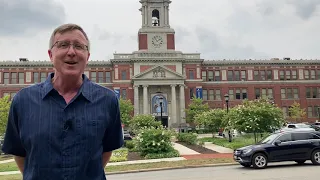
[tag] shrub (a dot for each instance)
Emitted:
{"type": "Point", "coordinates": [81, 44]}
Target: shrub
{"type": "Point", "coordinates": [151, 141]}
{"type": "Point", "coordinates": [119, 155]}
{"type": "Point", "coordinates": [188, 138]}
{"type": "Point", "coordinates": [143, 121]}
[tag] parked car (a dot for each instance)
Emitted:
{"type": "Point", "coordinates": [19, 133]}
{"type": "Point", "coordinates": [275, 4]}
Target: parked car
{"type": "Point", "coordinates": [298, 146]}
{"type": "Point", "coordinates": [296, 127]}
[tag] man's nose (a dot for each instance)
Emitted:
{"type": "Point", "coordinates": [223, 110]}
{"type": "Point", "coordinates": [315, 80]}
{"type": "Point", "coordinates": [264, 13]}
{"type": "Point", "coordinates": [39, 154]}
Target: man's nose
{"type": "Point", "coordinates": [71, 51]}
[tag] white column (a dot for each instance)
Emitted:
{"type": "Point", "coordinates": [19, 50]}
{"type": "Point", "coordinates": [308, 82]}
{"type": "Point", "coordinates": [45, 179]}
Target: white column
{"type": "Point", "coordinates": [173, 104]}
{"type": "Point", "coordinates": [136, 99]}
{"type": "Point", "coordinates": [182, 105]}
{"type": "Point", "coordinates": [145, 99]}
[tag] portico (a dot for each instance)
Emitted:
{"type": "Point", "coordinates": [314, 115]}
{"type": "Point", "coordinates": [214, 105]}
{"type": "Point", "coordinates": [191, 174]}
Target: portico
{"type": "Point", "coordinates": [157, 84]}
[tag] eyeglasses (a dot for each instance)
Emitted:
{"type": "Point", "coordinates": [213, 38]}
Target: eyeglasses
{"type": "Point", "coordinates": [67, 44]}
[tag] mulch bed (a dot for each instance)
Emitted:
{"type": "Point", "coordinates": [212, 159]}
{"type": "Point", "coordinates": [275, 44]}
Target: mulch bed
{"type": "Point", "coordinates": [133, 156]}
{"type": "Point", "coordinates": [197, 148]}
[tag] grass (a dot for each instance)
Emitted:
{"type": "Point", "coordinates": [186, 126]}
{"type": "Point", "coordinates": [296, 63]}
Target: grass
{"type": "Point", "coordinates": [5, 157]}
{"type": "Point", "coordinates": [237, 142]}
{"type": "Point", "coordinates": [131, 167]}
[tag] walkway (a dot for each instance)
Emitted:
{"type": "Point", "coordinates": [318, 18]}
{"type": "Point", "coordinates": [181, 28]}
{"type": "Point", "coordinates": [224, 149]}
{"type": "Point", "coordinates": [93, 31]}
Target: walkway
{"type": "Point", "coordinates": [184, 150]}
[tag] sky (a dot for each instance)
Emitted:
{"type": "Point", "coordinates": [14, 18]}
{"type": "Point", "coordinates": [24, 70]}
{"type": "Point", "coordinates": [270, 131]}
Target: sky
{"type": "Point", "coordinates": [218, 29]}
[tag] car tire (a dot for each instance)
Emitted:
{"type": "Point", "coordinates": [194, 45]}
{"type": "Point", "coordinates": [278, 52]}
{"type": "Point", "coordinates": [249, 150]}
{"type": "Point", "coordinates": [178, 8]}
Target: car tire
{"type": "Point", "coordinates": [259, 161]}
{"type": "Point", "coordinates": [245, 165]}
{"type": "Point", "coordinates": [315, 157]}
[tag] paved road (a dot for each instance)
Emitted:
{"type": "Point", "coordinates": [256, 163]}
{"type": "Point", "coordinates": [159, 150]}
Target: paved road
{"type": "Point", "coordinates": [281, 171]}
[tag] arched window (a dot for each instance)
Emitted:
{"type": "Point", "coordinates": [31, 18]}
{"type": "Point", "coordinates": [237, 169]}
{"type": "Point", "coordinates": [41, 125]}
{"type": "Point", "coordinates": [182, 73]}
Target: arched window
{"type": "Point", "coordinates": [155, 18]}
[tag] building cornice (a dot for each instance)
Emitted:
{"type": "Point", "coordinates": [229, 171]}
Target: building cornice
{"type": "Point", "coordinates": [260, 62]}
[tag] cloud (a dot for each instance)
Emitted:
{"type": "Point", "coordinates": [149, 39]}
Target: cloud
{"type": "Point", "coordinates": [305, 9]}
{"type": "Point", "coordinates": [20, 17]}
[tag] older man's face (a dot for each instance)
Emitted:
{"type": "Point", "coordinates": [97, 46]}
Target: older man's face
{"type": "Point", "coordinates": [70, 53]}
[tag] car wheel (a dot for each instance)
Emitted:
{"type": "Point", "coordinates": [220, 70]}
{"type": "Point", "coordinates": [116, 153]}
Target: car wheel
{"type": "Point", "coordinates": [245, 164]}
{"type": "Point", "coordinates": [259, 161]}
{"type": "Point", "coordinates": [315, 157]}
{"type": "Point", "coordinates": [300, 162]}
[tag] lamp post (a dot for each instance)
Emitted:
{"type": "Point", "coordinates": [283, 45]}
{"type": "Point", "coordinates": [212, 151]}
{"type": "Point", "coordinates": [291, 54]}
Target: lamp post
{"type": "Point", "coordinates": [226, 98]}
{"type": "Point", "coordinates": [319, 113]}
{"type": "Point", "coordinates": [161, 100]}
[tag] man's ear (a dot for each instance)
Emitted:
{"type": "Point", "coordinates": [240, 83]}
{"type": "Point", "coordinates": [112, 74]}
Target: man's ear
{"type": "Point", "coordinates": [50, 55]}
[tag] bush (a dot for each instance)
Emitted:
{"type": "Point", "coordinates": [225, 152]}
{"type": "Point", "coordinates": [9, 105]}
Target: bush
{"type": "Point", "coordinates": [152, 141]}
{"type": "Point", "coordinates": [119, 155]}
{"type": "Point", "coordinates": [143, 121]}
{"type": "Point", "coordinates": [170, 154]}
{"type": "Point", "coordinates": [130, 145]}
{"type": "Point", "coordinates": [188, 138]}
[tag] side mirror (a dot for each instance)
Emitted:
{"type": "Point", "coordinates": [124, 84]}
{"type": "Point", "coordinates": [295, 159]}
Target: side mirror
{"type": "Point", "coordinates": [277, 142]}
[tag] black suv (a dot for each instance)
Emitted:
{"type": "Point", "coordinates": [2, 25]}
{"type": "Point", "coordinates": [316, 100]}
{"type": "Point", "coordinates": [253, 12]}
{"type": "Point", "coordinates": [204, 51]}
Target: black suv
{"type": "Point", "coordinates": [298, 146]}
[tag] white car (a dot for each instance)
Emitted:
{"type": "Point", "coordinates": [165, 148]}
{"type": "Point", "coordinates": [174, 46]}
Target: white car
{"type": "Point", "coordinates": [297, 127]}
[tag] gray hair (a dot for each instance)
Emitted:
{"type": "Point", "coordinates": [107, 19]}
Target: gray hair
{"type": "Point", "coordinates": [65, 28]}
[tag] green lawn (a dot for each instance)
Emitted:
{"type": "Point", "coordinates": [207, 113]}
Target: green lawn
{"type": "Point", "coordinates": [131, 167]}
{"type": "Point", "coordinates": [237, 142]}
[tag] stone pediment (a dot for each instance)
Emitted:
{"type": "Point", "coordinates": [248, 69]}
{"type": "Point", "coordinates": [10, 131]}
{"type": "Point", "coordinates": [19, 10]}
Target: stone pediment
{"type": "Point", "coordinates": [158, 72]}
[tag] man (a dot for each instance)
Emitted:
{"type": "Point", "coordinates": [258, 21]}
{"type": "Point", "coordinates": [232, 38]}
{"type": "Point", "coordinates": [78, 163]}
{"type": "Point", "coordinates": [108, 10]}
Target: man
{"type": "Point", "coordinates": [66, 127]}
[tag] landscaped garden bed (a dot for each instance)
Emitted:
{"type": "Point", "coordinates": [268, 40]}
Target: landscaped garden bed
{"type": "Point", "coordinates": [198, 148]}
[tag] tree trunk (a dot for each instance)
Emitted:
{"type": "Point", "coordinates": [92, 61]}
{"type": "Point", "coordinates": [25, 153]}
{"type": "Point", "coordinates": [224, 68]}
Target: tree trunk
{"type": "Point", "coordinates": [255, 136]}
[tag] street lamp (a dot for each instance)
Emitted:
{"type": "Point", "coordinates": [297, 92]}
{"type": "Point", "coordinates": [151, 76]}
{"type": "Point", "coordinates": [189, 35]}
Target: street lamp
{"type": "Point", "coordinates": [226, 98]}
{"type": "Point", "coordinates": [161, 101]}
{"type": "Point", "coordinates": [318, 113]}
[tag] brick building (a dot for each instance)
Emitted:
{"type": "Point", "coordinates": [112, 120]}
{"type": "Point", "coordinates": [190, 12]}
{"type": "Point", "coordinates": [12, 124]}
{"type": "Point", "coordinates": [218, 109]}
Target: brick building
{"type": "Point", "coordinates": [157, 72]}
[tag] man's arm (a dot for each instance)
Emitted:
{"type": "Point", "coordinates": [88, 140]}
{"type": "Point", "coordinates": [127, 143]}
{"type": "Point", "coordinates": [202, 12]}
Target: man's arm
{"type": "Point", "coordinates": [12, 142]}
{"type": "Point", "coordinates": [113, 137]}
{"type": "Point", "coordinates": [105, 158]}
{"type": "Point", "coordinates": [20, 163]}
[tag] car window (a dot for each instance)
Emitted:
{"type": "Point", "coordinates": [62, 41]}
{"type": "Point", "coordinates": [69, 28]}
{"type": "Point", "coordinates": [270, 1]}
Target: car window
{"type": "Point", "coordinates": [285, 138]}
{"type": "Point", "coordinates": [291, 126]}
{"type": "Point", "coordinates": [304, 136]}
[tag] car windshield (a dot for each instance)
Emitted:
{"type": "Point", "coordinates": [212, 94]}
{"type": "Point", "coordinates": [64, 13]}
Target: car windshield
{"type": "Point", "coordinates": [268, 139]}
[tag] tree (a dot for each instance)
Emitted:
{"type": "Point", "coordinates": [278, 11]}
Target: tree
{"type": "Point", "coordinates": [4, 113]}
{"type": "Point", "coordinates": [255, 116]}
{"type": "Point", "coordinates": [296, 112]}
{"type": "Point", "coordinates": [195, 107]}
{"type": "Point", "coordinates": [211, 119]}
{"type": "Point", "coordinates": [126, 110]}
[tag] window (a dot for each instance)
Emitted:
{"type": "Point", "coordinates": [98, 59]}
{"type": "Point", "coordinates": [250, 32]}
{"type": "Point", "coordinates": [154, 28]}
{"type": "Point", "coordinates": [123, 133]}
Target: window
{"type": "Point", "coordinates": [313, 92]}
{"type": "Point", "coordinates": [230, 76]}
{"type": "Point", "coordinates": [288, 74]}
{"type": "Point", "coordinates": [262, 75]}
{"type": "Point", "coordinates": [21, 78]}
{"type": "Point", "coordinates": [191, 74]}
{"type": "Point", "coordinates": [313, 111]}
{"type": "Point", "coordinates": [14, 79]}
{"type": "Point", "coordinates": [36, 77]}
{"type": "Point", "coordinates": [6, 78]}
{"type": "Point", "coordinates": [289, 93]}
{"type": "Point", "coordinates": [204, 75]}
{"type": "Point", "coordinates": [123, 93]}
{"type": "Point", "coordinates": [238, 93]}
{"type": "Point", "coordinates": [191, 93]}
{"type": "Point", "coordinates": [93, 76]}
{"type": "Point", "coordinates": [304, 136]}
{"type": "Point", "coordinates": [108, 77]}
{"type": "Point", "coordinates": [100, 77]}
{"type": "Point", "coordinates": [243, 75]}
{"type": "Point", "coordinates": [43, 76]}
{"type": "Point", "coordinates": [214, 94]}
{"type": "Point", "coordinates": [236, 75]}
{"type": "Point", "coordinates": [123, 75]}
{"type": "Point", "coordinates": [310, 74]}
{"type": "Point", "coordinates": [285, 138]}
{"type": "Point", "coordinates": [263, 93]}
{"type": "Point", "coordinates": [210, 76]}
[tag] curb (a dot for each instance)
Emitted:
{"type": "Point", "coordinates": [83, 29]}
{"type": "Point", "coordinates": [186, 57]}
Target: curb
{"type": "Point", "coordinates": [172, 168]}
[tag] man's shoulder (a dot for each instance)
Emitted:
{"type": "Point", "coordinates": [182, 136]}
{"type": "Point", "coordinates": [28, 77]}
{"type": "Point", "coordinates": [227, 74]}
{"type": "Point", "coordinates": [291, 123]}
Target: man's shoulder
{"type": "Point", "coordinates": [34, 89]}
{"type": "Point", "coordinates": [100, 90]}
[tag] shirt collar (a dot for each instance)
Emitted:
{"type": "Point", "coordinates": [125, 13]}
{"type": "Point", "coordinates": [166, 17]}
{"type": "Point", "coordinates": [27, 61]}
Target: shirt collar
{"type": "Point", "coordinates": [85, 88]}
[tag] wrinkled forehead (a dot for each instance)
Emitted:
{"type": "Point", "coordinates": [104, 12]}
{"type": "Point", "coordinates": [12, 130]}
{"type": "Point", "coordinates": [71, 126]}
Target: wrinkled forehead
{"type": "Point", "coordinates": [71, 35]}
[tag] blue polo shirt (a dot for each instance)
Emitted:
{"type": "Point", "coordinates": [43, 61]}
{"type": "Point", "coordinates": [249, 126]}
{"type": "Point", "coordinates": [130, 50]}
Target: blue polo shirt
{"type": "Point", "coordinates": [63, 141]}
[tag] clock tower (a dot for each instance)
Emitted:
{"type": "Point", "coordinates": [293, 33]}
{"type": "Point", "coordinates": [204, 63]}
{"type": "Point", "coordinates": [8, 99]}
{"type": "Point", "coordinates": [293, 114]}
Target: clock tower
{"type": "Point", "coordinates": [155, 33]}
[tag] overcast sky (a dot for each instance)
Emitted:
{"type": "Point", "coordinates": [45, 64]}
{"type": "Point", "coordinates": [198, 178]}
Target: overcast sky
{"type": "Point", "coordinates": [218, 29]}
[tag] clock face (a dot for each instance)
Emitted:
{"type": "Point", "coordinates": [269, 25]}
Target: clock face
{"type": "Point", "coordinates": [157, 41]}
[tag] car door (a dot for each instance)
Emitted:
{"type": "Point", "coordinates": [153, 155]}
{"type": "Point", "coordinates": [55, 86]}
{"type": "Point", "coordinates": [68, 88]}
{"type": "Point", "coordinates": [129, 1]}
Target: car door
{"type": "Point", "coordinates": [302, 145]}
{"type": "Point", "coordinates": [281, 151]}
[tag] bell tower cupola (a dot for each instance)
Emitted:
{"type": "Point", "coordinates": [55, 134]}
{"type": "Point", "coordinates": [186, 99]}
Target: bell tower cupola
{"type": "Point", "coordinates": [155, 33]}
